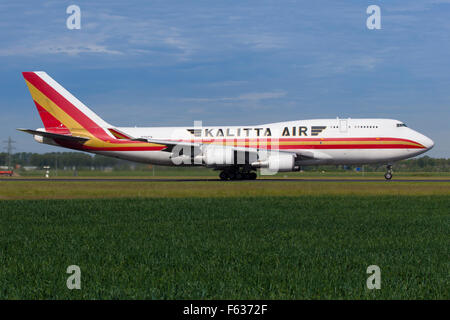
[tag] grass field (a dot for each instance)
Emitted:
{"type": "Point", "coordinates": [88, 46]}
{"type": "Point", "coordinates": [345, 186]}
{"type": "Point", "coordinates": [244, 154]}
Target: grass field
{"type": "Point", "coordinates": [10, 190]}
{"type": "Point", "coordinates": [215, 240]}
{"type": "Point", "coordinates": [315, 247]}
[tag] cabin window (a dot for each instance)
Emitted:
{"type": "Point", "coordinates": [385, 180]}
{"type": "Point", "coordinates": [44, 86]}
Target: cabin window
{"type": "Point", "coordinates": [401, 125]}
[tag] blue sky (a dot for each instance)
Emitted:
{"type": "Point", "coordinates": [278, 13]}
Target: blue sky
{"type": "Point", "coordinates": [162, 63]}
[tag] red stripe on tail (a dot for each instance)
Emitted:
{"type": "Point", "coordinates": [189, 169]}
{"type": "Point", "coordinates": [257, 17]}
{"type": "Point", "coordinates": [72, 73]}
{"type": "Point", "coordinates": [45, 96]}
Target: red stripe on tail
{"type": "Point", "coordinates": [66, 106]}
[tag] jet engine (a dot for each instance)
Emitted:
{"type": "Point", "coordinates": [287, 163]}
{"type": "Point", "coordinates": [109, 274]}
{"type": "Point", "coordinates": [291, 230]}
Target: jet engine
{"type": "Point", "coordinates": [278, 162]}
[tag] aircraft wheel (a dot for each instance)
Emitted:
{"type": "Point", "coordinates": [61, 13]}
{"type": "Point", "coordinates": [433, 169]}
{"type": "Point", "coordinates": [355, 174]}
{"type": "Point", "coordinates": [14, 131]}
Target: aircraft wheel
{"type": "Point", "coordinates": [223, 176]}
{"type": "Point", "coordinates": [388, 175]}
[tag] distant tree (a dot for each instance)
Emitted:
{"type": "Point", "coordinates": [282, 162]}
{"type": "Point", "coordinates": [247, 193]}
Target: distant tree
{"type": "Point", "coordinates": [86, 160]}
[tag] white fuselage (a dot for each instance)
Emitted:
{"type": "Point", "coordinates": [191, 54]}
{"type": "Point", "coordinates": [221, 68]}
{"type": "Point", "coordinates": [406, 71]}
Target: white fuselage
{"type": "Point", "coordinates": [321, 141]}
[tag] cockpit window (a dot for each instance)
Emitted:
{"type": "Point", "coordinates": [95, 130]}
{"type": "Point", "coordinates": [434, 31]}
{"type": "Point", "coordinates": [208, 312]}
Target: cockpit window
{"type": "Point", "coordinates": [401, 125]}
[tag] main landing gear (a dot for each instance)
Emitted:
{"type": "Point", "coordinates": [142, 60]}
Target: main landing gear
{"type": "Point", "coordinates": [388, 174]}
{"type": "Point", "coordinates": [237, 174]}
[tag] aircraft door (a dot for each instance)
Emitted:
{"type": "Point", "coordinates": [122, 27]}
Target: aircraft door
{"type": "Point", "coordinates": [343, 126]}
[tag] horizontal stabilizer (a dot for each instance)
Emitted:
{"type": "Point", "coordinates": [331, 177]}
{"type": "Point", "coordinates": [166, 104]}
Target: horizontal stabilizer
{"type": "Point", "coordinates": [55, 135]}
{"type": "Point", "coordinates": [119, 134]}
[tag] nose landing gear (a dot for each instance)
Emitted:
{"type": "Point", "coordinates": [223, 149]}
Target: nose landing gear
{"type": "Point", "coordinates": [388, 174]}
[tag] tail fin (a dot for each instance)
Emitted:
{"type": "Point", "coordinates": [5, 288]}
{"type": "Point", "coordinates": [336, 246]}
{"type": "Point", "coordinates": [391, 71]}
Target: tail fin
{"type": "Point", "coordinates": [59, 110]}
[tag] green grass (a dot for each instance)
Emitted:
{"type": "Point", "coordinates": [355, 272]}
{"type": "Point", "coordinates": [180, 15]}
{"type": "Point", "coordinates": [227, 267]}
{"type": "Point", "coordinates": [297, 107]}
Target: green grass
{"type": "Point", "coordinates": [307, 247]}
{"type": "Point", "coordinates": [17, 190]}
{"type": "Point", "coordinates": [158, 172]}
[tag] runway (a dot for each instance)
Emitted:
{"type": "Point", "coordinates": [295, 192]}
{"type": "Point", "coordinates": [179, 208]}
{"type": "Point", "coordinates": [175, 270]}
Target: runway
{"type": "Point", "coordinates": [214, 180]}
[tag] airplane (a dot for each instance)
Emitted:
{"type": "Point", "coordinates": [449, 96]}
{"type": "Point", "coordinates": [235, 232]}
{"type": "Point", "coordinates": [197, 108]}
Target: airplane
{"type": "Point", "coordinates": [236, 151]}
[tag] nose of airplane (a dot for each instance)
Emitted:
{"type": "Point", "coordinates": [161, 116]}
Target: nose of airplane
{"type": "Point", "coordinates": [427, 142]}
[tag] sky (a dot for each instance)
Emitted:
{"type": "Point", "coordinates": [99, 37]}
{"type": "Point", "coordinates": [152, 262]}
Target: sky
{"type": "Point", "coordinates": [169, 63]}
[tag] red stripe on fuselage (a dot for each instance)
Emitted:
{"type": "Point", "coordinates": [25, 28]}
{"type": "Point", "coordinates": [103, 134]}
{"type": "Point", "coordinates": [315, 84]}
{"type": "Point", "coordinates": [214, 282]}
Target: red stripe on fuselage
{"type": "Point", "coordinates": [255, 146]}
{"type": "Point", "coordinates": [269, 139]}
{"type": "Point", "coordinates": [281, 147]}
{"type": "Point", "coordinates": [156, 148]}
{"type": "Point", "coordinates": [78, 146]}
{"type": "Point", "coordinates": [352, 146]}
{"type": "Point", "coordinates": [262, 142]}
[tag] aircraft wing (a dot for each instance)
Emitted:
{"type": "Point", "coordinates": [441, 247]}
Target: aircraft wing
{"type": "Point", "coordinates": [312, 155]}
{"type": "Point", "coordinates": [170, 144]}
{"type": "Point", "coordinates": [305, 154]}
{"type": "Point", "coordinates": [55, 135]}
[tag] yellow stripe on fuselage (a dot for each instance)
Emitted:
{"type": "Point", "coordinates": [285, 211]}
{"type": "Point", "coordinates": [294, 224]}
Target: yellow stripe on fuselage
{"type": "Point", "coordinates": [263, 142]}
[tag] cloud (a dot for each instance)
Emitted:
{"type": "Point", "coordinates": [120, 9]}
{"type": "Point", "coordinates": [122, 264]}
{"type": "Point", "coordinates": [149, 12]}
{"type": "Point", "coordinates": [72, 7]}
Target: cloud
{"type": "Point", "coordinates": [101, 33]}
{"type": "Point", "coordinates": [58, 46]}
{"type": "Point", "coordinates": [328, 65]}
{"type": "Point", "coordinates": [251, 96]}
{"type": "Point", "coordinates": [157, 32]}
{"type": "Point", "coordinates": [262, 41]}
{"type": "Point", "coordinates": [228, 83]}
